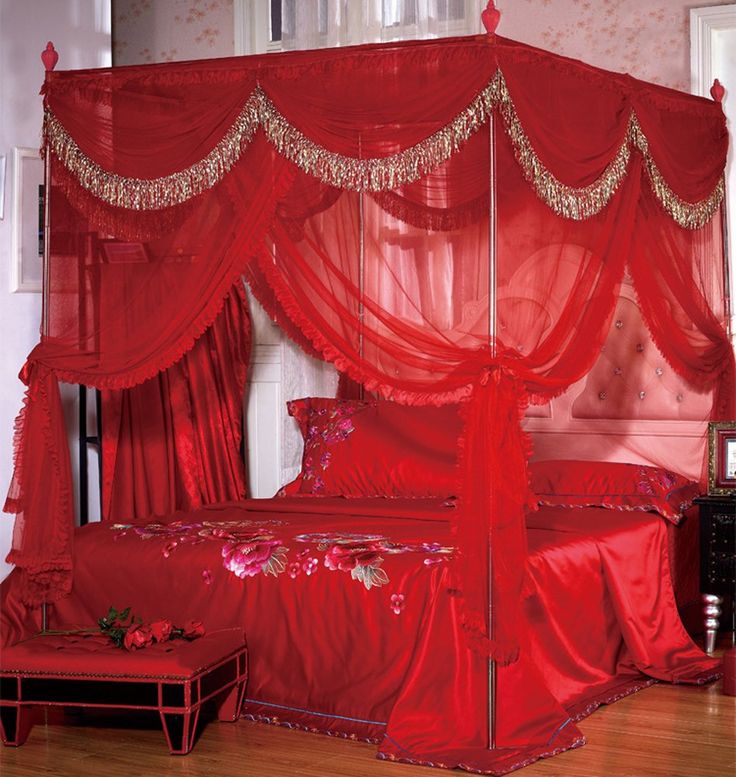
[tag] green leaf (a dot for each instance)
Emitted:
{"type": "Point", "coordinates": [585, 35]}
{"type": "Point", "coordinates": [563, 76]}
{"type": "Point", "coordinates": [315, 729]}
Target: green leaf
{"type": "Point", "coordinates": [277, 563]}
{"type": "Point", "coordinates": [371, 575]}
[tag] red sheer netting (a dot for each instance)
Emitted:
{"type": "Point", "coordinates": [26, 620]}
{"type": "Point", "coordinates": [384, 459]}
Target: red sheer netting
{"type": "Point", "coordinates": [117, 312]}
{"type": "Point", "coordinates": [390, 226]}
{"type": "Point", "coordinates": [405, 311]}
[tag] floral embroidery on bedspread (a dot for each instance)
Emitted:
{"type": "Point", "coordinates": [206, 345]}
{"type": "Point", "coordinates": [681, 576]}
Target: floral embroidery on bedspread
{"type": "Point", "coordinates": [249, 548]}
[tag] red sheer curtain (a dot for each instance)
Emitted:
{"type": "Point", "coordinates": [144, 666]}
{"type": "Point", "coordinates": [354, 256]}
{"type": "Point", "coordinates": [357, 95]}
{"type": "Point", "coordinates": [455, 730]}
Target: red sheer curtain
{"type": "Point", "coordinates": [174, 442]}
{"type": "Point", "coordinates": [352, 188]}
{"type": "Point", "coordinates": [680, 286]}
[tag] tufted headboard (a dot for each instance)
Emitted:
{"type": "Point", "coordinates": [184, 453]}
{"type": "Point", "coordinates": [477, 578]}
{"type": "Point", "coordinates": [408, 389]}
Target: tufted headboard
{"type": "Point", "coordinates": [631, 406]}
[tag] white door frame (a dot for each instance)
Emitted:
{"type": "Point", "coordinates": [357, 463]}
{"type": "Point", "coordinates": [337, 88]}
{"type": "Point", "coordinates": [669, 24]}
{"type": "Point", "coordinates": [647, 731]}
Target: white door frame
{"type": "Point", "coordinates": [710, 59]}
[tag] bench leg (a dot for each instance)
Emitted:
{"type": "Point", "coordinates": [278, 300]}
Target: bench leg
{"type": "Point", "coordinates": [230, 702]}
{"type": "Point", "coordinates": [16, 722]}
{"type": "Point", "coordinates": [179, 728]}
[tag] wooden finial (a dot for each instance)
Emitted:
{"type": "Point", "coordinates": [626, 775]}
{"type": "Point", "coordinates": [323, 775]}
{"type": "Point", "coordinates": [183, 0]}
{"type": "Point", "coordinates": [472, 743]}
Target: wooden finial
{"type": "Point", "coordinates": [49, 56]}
{"type": "Point", "coordinates": [717, 91]}
{"type": "Point", "coordinates": [490, 16]}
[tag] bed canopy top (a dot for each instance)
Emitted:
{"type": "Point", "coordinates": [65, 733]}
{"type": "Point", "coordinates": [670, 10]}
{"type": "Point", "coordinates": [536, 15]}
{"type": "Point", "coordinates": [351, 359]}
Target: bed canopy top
{"type": "Point", "coordinates": [377, 200]}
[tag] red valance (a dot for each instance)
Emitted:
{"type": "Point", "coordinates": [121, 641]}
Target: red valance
{"type": "Point", "coordinates": [444, 221]}
{"type": "Point", "coordinates": [572, 125]}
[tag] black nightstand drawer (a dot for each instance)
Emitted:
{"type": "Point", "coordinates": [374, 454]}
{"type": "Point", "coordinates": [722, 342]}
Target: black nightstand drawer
{"type": "Point", "coordinates": [717, 544]}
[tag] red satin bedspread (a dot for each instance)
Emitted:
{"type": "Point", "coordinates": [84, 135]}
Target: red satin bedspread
{"type": "Point", "coordinates": [352, 624]}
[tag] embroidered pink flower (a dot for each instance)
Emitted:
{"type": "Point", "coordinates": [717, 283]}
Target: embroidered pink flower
{"type": "Point", "coordinates": [397, 603]}
{"type": "Point", "coordinates": [207, 576]}
{"type": "Point", "coordinates": [310, 566]}
{"type": "Point", "coordinates": [294, 569]}
{"type": "Point", "coordinates": [169, 548]}
{"type": "Point", "coordinates": [247, 559]}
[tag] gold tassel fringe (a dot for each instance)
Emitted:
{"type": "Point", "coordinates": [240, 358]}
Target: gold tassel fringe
{"type": "Point", "coordinates": [377, 174]}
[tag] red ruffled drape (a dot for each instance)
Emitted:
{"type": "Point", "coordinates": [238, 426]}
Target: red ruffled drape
{"type": "Point", "coordinates": [174, 442]}
{"type": "Point", "coordinates": [480, 266]}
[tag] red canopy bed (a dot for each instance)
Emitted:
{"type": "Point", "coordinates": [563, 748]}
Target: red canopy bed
{"type": "Point", "coordinates": [379, 201]}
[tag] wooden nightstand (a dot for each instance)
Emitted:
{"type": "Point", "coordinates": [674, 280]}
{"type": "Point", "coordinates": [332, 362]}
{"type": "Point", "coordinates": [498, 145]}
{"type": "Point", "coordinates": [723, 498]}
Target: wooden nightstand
{"type": "Point", "coordinates": [717, 560]}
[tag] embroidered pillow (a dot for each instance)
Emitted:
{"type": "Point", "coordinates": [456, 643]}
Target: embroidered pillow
{"type": "Point", "coordinates": [357, 448]}
{"type": "Point", "coordinates": [613, 485]}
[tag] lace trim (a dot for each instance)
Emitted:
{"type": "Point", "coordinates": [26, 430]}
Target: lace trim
{"type": "Point", "coordinates": [504, 768]}
{"type": "Point", "coordinates": [274, 721]}
{"type": "Point", "coordinates": [378, 173]}
{"type": "Point", "coordinates": [47, 578]}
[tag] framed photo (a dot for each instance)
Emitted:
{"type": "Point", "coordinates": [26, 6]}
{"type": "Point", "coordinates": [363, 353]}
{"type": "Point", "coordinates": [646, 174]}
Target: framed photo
{"type": "Point", "coordinates": [722, 458]}
{"type": "Point", "coordinates": [26, 265]}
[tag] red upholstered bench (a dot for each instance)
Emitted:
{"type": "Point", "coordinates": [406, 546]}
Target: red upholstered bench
{"type": "Point", "coordinates": [175, 678]}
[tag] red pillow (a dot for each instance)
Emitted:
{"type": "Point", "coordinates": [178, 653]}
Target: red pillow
{"type": "Point", "coordinates": [613, 485]}
{"type": "Point", "coordinates": [375, 448]}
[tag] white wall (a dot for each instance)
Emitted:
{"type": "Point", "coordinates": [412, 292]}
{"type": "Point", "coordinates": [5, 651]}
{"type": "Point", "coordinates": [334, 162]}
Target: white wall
{"type": "Point", "coordinates": [80, 30]}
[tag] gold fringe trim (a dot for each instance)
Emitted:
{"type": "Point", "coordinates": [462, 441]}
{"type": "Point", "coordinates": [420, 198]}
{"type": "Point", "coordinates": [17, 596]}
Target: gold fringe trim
{"type": "Point", "coordinates": [568, 201]}
{"type": "Point", "coordinates": [690, 215]}
{"type": "Point", "coordinates": [374, 174]}
{"type": "Point", "coordinates": [378, 174]}
{"type": "Point", "coordinates": [157, 193]}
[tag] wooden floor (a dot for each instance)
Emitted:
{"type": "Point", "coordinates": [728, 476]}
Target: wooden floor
{"type": "Point", "coordinates": [662, 731]}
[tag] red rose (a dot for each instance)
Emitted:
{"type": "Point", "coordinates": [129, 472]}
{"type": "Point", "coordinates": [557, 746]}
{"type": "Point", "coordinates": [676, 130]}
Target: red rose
{"type": "Point", "coordinates": [161, 630]}
{"type": "Point", "coordinates": [137, 636]}
{"type": "Point", "coordinates": [193, 629]}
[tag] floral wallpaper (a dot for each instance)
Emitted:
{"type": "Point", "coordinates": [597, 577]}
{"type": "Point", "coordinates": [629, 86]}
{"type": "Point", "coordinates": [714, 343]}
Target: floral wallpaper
{"type": "Point", "coordinates": [170, 30]}
{"type": "Point", "coordinates": [648, 39]}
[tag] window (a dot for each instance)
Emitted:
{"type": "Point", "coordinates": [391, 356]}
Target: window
{"type": "Point", "coordinates": [273, 25]}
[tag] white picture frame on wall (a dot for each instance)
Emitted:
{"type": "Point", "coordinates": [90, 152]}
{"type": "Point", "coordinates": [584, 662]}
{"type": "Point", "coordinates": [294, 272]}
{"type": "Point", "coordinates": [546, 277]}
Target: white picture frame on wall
{"type": "Point", "coordinates": [26, 265]}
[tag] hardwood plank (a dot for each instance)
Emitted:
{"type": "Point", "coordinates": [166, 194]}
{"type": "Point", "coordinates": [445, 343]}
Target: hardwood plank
{"type": "Point", "coordinates": [663, 731]}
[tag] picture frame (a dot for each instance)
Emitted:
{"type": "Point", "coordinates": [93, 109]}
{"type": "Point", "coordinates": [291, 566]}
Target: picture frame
{"type": "Point", "coordinates": [722, 458]}
{"type": "Point", "coordinates": [26, 265]}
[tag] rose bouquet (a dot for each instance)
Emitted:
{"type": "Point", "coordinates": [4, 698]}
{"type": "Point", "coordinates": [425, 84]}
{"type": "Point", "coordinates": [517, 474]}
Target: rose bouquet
{"type": "Point", "coordinates": [131, 633]}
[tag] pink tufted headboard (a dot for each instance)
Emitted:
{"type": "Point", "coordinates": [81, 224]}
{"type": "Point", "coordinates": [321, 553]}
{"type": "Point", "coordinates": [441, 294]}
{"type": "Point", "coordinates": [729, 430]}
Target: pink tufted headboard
{"type": "Point", "coordinates": [631, 407]}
